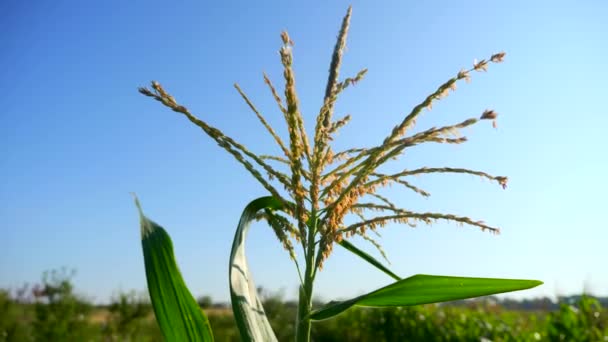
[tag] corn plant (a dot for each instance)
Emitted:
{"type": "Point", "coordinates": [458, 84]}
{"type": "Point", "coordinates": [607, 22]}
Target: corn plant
{"type": "Point", "coordinates": [318, 198]}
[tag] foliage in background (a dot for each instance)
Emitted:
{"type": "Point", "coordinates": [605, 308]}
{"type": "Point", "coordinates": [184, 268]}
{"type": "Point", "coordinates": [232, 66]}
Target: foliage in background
{"type": "Point", "coordinates": [51, 311]}
{"type": "Point", "coordinates": [127, 314]}
{"type": "Point", "coordinates": [14, 321]}
{"type": "Point", "coordinates": [59, 312]}
{"type": "Point", "coordinates": [585, 321]}
{"type": "Point", "coordinates": [574, 319]}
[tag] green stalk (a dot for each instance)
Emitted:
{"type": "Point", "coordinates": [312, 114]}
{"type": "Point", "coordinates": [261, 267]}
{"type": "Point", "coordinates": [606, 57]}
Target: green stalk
{"type": "Point", "coordinates": [305, 301]}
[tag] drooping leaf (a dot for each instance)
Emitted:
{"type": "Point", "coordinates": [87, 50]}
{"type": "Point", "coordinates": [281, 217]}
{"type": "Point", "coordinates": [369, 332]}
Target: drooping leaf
{"type": "Point", "coordinates": [247, 307]}
{"type": "Point", "coordinates": [176, 310]}
{"type": "Point", "coordinates": [365, 256]}
{"type": "Point", "coordinates": [425, 289]}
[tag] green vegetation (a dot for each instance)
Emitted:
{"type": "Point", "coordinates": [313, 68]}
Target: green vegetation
{"type": "Point", "coordinates": [30, 315]}
{"type": "Point", "coordinates": [317, 198]}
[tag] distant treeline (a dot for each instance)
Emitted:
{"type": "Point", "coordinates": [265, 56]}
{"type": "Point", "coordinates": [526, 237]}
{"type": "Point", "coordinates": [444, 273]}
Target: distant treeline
{"type": "Point", "coordinates": [535, 304]}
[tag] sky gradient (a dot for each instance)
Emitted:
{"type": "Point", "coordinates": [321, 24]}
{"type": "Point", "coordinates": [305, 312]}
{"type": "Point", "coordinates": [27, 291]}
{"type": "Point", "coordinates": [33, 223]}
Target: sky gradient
{"type": "Point", "coordinates": [76, 137]}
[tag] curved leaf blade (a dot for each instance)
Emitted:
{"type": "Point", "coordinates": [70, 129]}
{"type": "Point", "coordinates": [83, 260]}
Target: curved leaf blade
{"type": "Point", "coordinates": [176, 310]}
{"type": "Point", "coordinates": [247, 307]}
{"type": "Point", "coordinates": [425, 289]}
{"type": "Point", "coordinates": [370, 259]}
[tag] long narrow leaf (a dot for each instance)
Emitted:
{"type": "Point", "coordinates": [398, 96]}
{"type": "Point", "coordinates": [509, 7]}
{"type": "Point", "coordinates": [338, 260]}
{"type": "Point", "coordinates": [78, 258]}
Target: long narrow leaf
{"type": "Point", "coordinates": [424, 289]}
{"type": "Point", "coordinates": [365, 256]}
{"type": "Point", "coordinates": [176, 311]}
{"type": "Point", "coordinates": [246, 305]}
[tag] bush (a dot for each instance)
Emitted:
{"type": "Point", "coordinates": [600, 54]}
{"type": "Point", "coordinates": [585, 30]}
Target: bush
{"type": "Point", "coordinates": [13, 322]}
{"type": "Point", "coordinates": [585, 321]}
{"type": "Point", "coordinates": [129, 317]}
{"type": "Point", "coordinates": [59, 314]}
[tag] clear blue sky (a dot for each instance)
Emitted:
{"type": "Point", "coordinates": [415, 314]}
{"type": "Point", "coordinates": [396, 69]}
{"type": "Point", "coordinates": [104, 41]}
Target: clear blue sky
{"type": "Point", "coordinates": [76, 137]}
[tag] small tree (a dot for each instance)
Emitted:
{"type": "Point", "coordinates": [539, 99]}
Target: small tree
{"type": "Point", "coordinates": [205, 302]}
{"type": "Point", "coordinates": [59, 313]}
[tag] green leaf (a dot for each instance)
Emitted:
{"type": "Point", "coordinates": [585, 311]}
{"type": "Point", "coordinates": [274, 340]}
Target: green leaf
{"type": "Point", "coordinates": [176, 311]}
{"type": "Point", "coordinates": [246, 305]}
{"type": "Point", "coordinates": [425, 289]}
{"type": "Point", "coordinates": [365, 256]}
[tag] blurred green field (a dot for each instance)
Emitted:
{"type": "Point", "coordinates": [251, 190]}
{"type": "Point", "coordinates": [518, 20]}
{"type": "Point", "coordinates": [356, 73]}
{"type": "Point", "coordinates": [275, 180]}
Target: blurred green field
{"type": "Point", "coordinates": [51, 311]}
